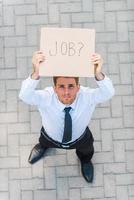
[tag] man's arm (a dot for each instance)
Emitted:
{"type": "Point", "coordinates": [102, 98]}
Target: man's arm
{"type": "Point", "coordinates": [97, 62]}
{"type": "Point", "coordinates": [106, 89]}
{"type": "Point", "coordinates": [38, 58]}
{"type": "Point", "coordinates": [28, 93]}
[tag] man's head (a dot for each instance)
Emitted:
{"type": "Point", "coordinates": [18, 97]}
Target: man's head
{"type": "Point", "coordinates": [66, 88]}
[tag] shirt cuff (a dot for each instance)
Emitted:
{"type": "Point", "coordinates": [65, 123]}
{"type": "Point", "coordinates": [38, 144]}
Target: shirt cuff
{"type": "Point", "coordinates": [32, 82]}
{"type": "Point", "coordinates": [101, 82]}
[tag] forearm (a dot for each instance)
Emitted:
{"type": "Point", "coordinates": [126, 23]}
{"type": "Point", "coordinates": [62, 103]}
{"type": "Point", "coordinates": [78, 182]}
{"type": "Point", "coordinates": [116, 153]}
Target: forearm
{"type": "Point", "coordinates": [105, 90]}
{"type": "Point", "coordinates": [38, 58]}
{"type": "Point", "coordinates": [100, 76]}
{"type": "Point", "coordinates": [27, 92]}
{"type": "Point", "coordinates": [35, 76]}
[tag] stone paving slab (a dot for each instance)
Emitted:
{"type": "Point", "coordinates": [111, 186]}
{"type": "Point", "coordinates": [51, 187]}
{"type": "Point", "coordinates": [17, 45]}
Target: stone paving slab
{"type": "Point", "coordinates": [58, 176]}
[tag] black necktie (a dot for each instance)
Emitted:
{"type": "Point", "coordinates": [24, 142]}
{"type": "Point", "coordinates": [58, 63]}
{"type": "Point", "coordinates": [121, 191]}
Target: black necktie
{"type": "Point", "coordinates": [67, 135]}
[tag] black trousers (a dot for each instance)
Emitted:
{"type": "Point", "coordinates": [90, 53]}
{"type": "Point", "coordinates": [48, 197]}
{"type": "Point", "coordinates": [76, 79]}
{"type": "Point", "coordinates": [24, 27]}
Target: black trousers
{"type": "Point", "coordinates": [83, 145]}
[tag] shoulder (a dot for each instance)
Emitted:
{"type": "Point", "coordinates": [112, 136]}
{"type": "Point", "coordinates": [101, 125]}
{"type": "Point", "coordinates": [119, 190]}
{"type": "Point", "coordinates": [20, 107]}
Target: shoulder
{"type": "Point", "coordinates": [49, 90]}
{"type": "Point", "coordinates": [85, 90]}
{"type": "Point", "coordinates": [46, 96]}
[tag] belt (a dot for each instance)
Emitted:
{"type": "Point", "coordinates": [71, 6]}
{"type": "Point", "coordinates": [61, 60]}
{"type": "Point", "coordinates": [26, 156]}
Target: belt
{"type": "Point", "coordinates": [59, 144]}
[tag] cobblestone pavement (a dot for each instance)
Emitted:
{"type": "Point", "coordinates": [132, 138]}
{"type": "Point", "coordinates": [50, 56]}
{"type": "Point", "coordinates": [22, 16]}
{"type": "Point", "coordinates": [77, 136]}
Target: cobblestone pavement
{"type": "Point", "coordinates": [58, 175]}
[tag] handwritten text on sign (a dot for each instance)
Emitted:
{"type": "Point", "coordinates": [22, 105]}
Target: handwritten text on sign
{"type": "Point", "coordinates": [67, 51]}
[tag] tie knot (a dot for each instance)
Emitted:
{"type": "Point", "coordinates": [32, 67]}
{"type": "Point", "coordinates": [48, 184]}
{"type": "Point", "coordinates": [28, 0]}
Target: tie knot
{"type": "Point", "coordinates": [67, 109]}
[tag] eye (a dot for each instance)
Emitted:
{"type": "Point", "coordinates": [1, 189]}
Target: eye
{"type": "Point", "coordinates": [71, 86]}
{"type": "Point", "coordinates": [61, 86]}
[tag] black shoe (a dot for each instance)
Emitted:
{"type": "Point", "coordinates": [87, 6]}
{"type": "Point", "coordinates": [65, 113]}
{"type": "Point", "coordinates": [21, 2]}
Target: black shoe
{"type": "Point", "coordinates": [87, 170]}
{"type": "Point", "coordinates": [36, 153]}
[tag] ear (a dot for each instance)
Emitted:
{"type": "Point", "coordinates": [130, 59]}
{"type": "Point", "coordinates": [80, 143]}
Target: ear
{"type": "Point", "coordinates": [78, 86]}
{"type": "Point", "coordinates": [55, 89]}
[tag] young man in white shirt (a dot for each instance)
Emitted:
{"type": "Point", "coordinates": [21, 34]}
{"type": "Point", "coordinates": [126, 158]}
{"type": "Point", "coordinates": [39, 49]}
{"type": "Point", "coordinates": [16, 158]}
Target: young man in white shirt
{"type": "Point", "coordinates": [66, 110]}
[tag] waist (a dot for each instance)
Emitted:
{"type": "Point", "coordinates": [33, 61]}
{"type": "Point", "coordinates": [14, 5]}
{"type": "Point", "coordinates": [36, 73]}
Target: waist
{"type": "Point", "coordinates": [64, 145]}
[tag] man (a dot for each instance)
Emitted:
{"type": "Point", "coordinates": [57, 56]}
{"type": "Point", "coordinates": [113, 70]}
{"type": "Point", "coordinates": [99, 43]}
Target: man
{"type": "Point", "coordinates": [66, 110]}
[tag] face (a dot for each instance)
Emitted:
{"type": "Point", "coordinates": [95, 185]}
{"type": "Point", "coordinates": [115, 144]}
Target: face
{"type": "Point", "coordinates": [66, 89]}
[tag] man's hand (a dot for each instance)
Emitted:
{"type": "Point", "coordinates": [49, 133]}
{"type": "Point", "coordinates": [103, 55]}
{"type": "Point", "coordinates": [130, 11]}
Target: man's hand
{"type": "Point", "coordinates": [97, 62]}
{"type": "Point", "coordinates": [38, 57]}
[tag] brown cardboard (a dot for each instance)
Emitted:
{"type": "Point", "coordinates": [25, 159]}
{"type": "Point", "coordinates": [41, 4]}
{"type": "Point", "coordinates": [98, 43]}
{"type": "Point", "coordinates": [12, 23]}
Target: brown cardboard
{"type": "Point", "coordinates": [67, 51]}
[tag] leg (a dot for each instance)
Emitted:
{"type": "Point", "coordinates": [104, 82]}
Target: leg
{"type": "Point", "coordinates": [85, 148]}
{"type": "Point", "coordinates": [39, 149]}
{"type": "Point", "coordinates": [85, 151]}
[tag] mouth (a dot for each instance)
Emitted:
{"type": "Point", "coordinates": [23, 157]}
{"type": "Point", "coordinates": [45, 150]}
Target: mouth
{"type": "Point", "coordinates": [66, 97]}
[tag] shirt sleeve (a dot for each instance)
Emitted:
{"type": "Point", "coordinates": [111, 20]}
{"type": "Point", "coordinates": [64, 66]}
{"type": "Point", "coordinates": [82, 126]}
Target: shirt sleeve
{"type": "Point", "coordinates": [28, 94]}
{"type": "Point", "coordinates": [104, 92]}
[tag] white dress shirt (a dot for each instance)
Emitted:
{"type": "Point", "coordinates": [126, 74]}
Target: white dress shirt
{"type": "Point", "coordinates": [52, 110]}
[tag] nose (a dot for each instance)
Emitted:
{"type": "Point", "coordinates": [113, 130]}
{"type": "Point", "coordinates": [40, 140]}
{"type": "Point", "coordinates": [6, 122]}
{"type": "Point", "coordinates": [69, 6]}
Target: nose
{"type": "Point", "coordinates": [66, 91]}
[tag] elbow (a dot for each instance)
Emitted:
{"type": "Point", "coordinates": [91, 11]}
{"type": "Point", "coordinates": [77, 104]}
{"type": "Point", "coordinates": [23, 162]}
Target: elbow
{"type": "Point", "coordinates": [112, 92]}
{"type": "Point", "coordinates": [20, 95]}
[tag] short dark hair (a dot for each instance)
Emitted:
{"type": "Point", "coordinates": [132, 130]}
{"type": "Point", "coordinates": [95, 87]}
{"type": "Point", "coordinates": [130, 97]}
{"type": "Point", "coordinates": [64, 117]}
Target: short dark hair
{"type": "Point", "coordinates": [56, 77]}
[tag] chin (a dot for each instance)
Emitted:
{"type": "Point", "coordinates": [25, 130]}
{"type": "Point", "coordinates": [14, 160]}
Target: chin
{"type": "Point", "coordinates": [67, 102]}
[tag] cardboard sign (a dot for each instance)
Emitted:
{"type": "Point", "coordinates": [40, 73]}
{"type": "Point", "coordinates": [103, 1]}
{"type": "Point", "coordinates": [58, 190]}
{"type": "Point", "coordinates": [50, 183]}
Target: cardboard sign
{"type": "Point", "coordinates": [67, 52]}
